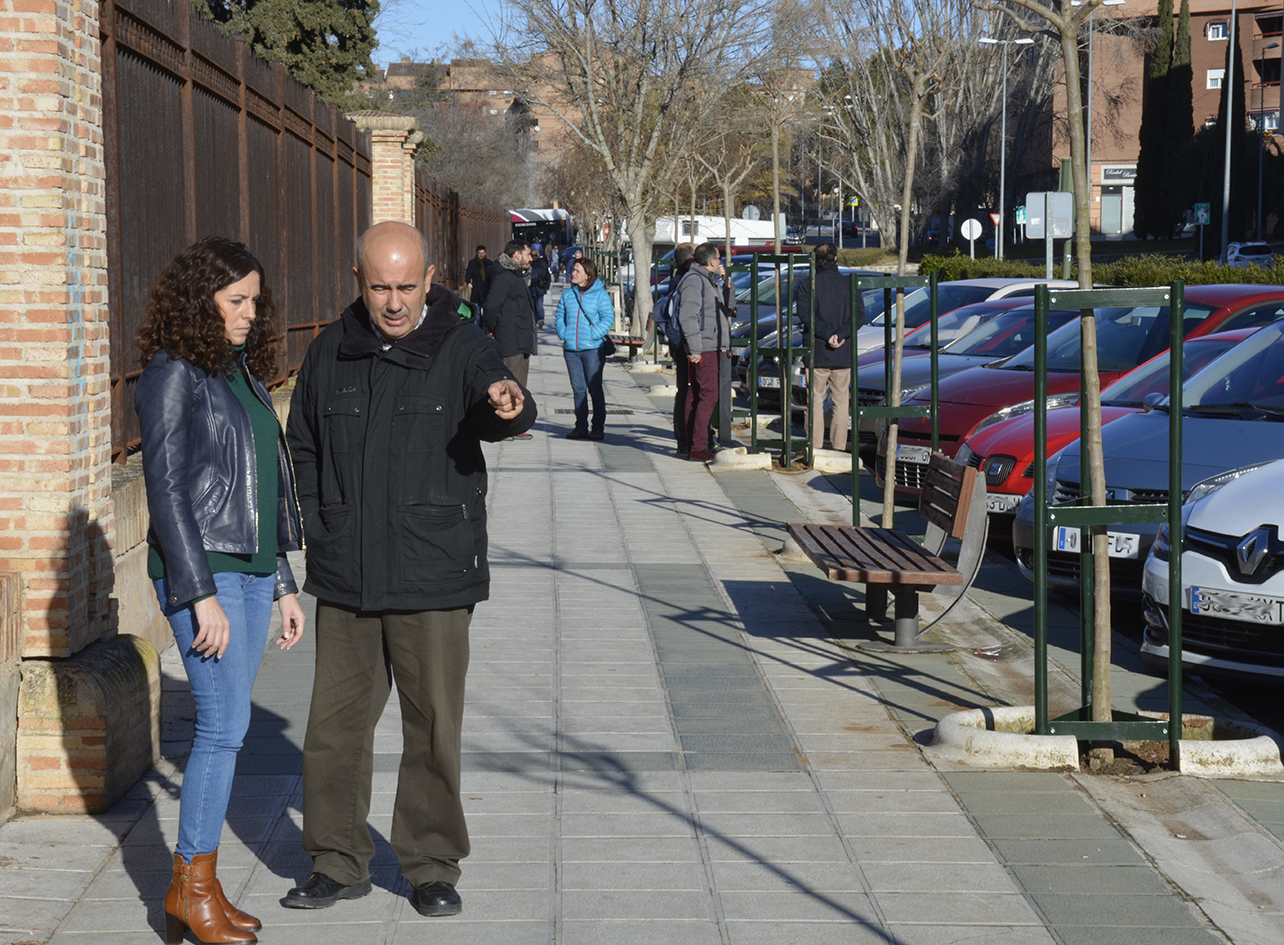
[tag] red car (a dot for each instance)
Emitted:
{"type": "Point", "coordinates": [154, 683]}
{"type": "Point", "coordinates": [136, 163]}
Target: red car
{"type": "Point", "coordinates": [1004, 450]}
{"type": "Point", "coordinates": [1125, 339]}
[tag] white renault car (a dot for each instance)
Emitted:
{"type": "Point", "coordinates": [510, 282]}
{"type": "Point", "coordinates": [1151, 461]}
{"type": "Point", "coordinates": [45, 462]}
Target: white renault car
{"type": "Point", "coordinates": [1232, 564]}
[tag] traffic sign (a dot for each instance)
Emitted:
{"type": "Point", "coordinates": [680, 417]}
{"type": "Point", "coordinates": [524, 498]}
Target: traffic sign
{"type": "Point", "coordinates": [970, 229]}
{"type": "Point", "coordinates": [1020, 214]}
{"type": "Point", "coordinates": [994, 217]}
{"type": "Point", "coordinates": [1203, 214]}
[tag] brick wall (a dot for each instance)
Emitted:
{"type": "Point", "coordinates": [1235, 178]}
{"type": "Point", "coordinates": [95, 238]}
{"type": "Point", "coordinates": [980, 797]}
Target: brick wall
{"type": "Point", "coordinates": [55, 429]}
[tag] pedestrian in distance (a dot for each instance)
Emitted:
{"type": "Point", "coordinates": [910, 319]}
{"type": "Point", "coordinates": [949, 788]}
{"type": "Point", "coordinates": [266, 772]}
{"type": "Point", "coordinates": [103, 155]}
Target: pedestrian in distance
{"type": "Point", "coordinates": [706, 339]}
{"type": "Point", "coordinates": [584, 318]}
{"type": "Point", "coordinates": [477, 276]}
{"type": "Point", "coordinates": [386, 423]}
{"type": "Point", "coordinates": [832, 370]}
{"type": "Point", "coordinates": [541, 278]}
{"type": "Point", "coordinates": [221, 495]}
{"type": "Point", "coordinates": [509, 315]}
{"type": "Point", "coordinates": [682, 254]}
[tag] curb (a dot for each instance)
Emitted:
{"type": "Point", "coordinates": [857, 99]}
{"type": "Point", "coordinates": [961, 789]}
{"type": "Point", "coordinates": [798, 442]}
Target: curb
{"type": "Point", "coordinates": [739, 457]}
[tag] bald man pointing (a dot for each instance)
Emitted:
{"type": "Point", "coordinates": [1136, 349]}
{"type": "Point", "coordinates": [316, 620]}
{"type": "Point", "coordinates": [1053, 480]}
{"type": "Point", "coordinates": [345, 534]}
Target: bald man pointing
{"type": "Point", "coordinates": [386, 423]}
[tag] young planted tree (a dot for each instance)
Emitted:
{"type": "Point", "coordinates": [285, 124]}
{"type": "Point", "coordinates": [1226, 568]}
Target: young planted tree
{"type": "Point", "coordinates": [895, 55]}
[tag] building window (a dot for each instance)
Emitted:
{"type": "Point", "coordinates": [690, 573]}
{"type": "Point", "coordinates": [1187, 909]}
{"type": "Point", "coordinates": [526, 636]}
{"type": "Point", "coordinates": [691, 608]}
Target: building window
{"type": "Point", "coordinates": [1265, 121]}
{"type": "Point", "coordinates": [1217, 30]}
{"type": "Point", "coordinates": [1215, 77]}
{"type": "Point", "coordinates": [1268, 24]}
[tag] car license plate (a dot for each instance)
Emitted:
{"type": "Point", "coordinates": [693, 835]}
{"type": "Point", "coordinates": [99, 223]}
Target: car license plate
{"type": "Point", "coordinates": [769, 382]}
{"type": "Point", "coordinates": [1001, 503]}
{"type": "Point", "coordinates": [913, 454]}
{"type": "Point", "coordinates": [1122, 545]}
{"type": "Point", "coordinates": [1246, 607]}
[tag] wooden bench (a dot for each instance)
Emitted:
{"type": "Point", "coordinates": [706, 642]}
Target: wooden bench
{"type": "Point", "coordinates": [883, 559]}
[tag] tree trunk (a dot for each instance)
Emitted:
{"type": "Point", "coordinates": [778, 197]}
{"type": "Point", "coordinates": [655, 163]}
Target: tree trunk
{"type": "Point", "coordinates": [642, 236]}
{"type": "Point", "coordinates": [894, 395]}
{"type": "Point", "coordinates": [1090, 399]}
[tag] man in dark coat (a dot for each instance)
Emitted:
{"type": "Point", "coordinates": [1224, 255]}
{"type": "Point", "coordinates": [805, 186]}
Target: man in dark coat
{"type": "Point", "coordinates": [833, 368]}
{"type": "Point", "coordinates": [509, 314]}
{"type": "Point", "coordinates": [541, 280]}
{"type": "Point", "coordinates": [386, 423]}
{"type": "Point", "coordinates": [477, 275]}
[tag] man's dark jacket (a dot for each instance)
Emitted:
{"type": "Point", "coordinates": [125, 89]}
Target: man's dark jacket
{"type": "Point", "coordinates": [478, 276]}
{"type": "Point", "coordinates": [510, 315]}
{"type": "Point", "coordinates": [388, 460]}
{"type": "Point", "coordinates": [833, 315]}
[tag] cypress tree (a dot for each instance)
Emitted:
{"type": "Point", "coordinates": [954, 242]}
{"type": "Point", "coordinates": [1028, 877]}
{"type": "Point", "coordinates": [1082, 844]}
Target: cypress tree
{"type": "Point", "coordinates": [1178, 191]}
{"type": "Point", "coordinates": [1148, 197]}
{"type": "Point", "coordinates": [1243, 181]}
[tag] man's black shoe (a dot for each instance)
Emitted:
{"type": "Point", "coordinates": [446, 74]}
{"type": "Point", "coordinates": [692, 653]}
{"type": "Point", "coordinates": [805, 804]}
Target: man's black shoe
{"type": "Point", "coordinates": [321, 892]}
{"type": "Point", "coordinates": [436, 899]}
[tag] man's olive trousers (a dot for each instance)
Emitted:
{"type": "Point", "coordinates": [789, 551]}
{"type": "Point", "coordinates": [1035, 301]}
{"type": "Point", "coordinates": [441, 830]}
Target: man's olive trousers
{"type": "Point", "coordinates": [359, 657]}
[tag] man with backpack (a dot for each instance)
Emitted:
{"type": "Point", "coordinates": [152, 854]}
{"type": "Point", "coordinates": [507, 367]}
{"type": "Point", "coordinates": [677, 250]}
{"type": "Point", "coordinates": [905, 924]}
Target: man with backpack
{"type": "Point", "coordinates": [665, 317]}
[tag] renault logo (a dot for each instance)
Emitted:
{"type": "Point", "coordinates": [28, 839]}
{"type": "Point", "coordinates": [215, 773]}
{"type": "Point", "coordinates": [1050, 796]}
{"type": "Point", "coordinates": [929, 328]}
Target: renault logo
{"type": "Point", "coordinates": [1250, 552]}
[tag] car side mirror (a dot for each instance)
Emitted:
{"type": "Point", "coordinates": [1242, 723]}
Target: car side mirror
{"type": "Point", "coordinates": [1151, 400]}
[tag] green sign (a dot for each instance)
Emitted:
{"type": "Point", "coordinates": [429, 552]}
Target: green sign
{"type": "Point", "coordinates": [1203, 214]}
{"type": "Point", "coordinates": [1020, 214]}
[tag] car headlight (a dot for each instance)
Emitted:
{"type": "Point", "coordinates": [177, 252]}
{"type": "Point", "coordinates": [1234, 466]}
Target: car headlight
{"type": "Point", "coordinates": [964, 455]}
{"type": "Point", "coordinates": [1050, 475]}
{"type": "Point", "coordinates": [1162, 544]}
{"type": "Point", "coordinates": [1207, 487]}
{"type": "Point", "coordinates": [909, 392]}
{"type": "Point", "coordinates": [1017, 410]}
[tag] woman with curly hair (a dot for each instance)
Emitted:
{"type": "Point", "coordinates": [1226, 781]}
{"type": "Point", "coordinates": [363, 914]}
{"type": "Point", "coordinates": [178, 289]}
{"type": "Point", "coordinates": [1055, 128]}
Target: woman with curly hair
{"type": "Point", "coordinates": [220, 491]}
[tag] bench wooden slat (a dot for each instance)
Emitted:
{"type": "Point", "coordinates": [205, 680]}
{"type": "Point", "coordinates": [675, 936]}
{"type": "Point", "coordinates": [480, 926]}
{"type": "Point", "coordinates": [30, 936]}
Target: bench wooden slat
{"type": "Point", "coordinates": [872, 556]}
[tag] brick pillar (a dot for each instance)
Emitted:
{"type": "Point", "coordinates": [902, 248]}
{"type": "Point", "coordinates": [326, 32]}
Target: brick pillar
{"type": "Point", "coordinates": [393, 140]}
{"type": "Point", "coordinates": [56, 523]}
{"type": "Point", "coordinates": [55, 420]}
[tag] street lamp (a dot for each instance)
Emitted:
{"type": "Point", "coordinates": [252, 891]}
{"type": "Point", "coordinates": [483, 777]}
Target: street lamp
{"type": "Point", "coordinates": [1003, 133]}
{"type": "Point", "coordinates": [1261, 126]}
{"type": "Point", "coordinates": [1229, 81]}
{"type": "Point", "coordinates": [1088, 130]}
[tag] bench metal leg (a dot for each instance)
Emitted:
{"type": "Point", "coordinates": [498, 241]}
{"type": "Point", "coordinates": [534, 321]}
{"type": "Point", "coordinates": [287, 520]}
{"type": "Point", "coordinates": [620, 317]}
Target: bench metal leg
{"type": "Point", "coordinates": [875, 602]}
{"type": "Point", "coordinates": [906, 615]}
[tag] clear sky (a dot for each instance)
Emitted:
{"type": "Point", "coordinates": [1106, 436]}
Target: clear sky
{"type": "Point", "coordinates": [426, 29]}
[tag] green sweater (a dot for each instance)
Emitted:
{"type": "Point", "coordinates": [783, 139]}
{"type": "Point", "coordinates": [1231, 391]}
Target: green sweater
{"type": "Point", "coordinates": [267, 432]}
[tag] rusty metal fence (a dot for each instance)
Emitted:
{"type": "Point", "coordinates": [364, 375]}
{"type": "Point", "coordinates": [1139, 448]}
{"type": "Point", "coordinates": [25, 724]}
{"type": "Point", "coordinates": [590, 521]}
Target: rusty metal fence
{"type": "Point", "coordinates": [454, 228]}
{"type": "Point", "coordinates": [202, 138]}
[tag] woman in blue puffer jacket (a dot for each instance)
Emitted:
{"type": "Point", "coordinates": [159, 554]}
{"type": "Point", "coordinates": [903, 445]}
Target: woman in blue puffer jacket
{"type": "Point", "coordinates": [584, 318]}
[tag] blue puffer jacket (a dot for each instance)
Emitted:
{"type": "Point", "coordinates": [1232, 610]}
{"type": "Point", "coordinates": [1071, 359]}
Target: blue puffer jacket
{"type": "Point", "coordinates": [584, 319]}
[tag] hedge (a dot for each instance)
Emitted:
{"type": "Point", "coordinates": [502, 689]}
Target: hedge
{"type": "Point", "coordinates": [1146, 270]}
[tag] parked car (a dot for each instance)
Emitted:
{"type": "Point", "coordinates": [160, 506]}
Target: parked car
{"type": "Point", "coordinates": [1125, 339]}
{"type": "Point", "coordinates": [1003, 445]}
{"type": "Point", "coordinates": [950, 295]}
{"type": "Point", "coordinates": [1239, 255]}
{"type": "Point", "coordinates": [1006, 332]}
{"type": "Point", "coordinates": [1232, 412]}
{"type": "Point", "coordinates": [1232, 581]}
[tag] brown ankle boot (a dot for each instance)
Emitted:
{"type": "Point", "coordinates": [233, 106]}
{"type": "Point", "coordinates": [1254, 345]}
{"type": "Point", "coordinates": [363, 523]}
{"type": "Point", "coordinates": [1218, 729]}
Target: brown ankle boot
{"type": "Point", "coordinates": [242, 920]}
{"type": "Point", "coordinates": [191, 904]}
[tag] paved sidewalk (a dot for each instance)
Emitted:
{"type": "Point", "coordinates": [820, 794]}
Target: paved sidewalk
{"type": "Point", "coordinates": [665, 744]}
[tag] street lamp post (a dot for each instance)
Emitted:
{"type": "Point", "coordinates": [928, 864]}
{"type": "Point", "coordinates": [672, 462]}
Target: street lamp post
{"type": "Point", "coordinates": [1229, 81]}
{"type": "Point", "coordinates": [1003, 134]}
{"type": "Point", "coordinates": [1261, 127]}
{"type": "Point", "coordinates": [1088, 122]}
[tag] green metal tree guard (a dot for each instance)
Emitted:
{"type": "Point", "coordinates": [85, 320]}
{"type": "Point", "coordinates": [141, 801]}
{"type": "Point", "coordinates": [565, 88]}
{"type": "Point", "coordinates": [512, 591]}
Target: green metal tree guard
{"type": "Point", "coordinates": [1083, 514]}
{"type": "Point", "coordinates": [784, 352]}
{"type": "Point", "coordinates": [889, 285]}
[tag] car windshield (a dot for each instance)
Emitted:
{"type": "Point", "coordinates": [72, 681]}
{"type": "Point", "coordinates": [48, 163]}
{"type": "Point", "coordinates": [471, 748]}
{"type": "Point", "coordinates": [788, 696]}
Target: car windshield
{"type": "Point", "coordinates": [1006, 334]}
{"type": "Point", "coordinates": [1248, 377]}
{"type": "Point", "coordinates": [1132, 389]}
{"type": "Point", "coordinates": [953, 325]}
{"type": "Point", "coordinates": [767, 288]}
{"type": "Point", "coordinates": [918, 303]}
{"type": "Point", "coordinates": [1126, 337]}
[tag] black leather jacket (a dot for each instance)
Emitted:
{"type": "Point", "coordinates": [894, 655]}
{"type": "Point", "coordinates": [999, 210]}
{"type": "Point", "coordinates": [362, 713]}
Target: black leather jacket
{"type": "Point", "coordinates": [198, 463]}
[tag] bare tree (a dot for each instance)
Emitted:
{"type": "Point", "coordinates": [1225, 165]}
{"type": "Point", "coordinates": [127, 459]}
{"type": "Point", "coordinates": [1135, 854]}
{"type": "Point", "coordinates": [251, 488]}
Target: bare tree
{"type": "Point", "coordinates": [621, 73]}
{"type": "Point", "coordinates": [894, 58]}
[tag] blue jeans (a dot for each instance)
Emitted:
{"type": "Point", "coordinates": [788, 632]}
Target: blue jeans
{"type": "Point", "coordinates": [585, 369]}
{"type": "Point", "coordinates": [221, 691]}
